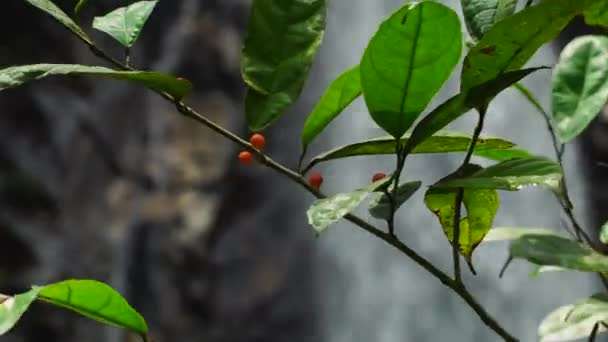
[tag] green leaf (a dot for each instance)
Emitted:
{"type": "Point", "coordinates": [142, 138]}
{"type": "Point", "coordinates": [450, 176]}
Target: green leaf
{"type": "Point", "coordinates": [596, 13]}
{"type": "Point", "coordinates": [15, 76]}
{"type": "Point", "coordinates": [282, 39]}
{"type": "Point", "coordinates": [341, 93]}
{"type": "Point", "coordinates": [480, 204]}
{"type": "Point", "coordinates": [407, 61]}
{"type": "Point", "coordinates": [502, 155]}
{"type": "Point", "coordinates": [441, 142]}
{"type": "Point", "coordinates": [513, 233]}
{"type": "Point", "coordinates": [80, 5]}
{"type": "Point", "coordinates": [380, 206]}
{"type": "Point", "coordinates": [573, 322]}
{"type": "Point", "coordinates": [551, 250]}
{"type": "Point", "coordinates": [512, 175]}
{"type": "Point", "coordinates": [481, 15]}
{"type": "Point", "coordinates": [50, 8]}
{"type": "Point", "coordinates": [460, 104]}
{"type": "Point", "coordinates": [327, 211]}
{"type": "Point", "coordinates": [604, 234]}
{"type": "Point", "coordinates": [12, 308]}
{"type": "Point", "coordinates": [580, 85]}
{"type": "Point", "coordinates": [125, 24]}
{"type": "Point", "coordinates": [95, 300]}
{"type": "Point", "coordinates": [509, 44]}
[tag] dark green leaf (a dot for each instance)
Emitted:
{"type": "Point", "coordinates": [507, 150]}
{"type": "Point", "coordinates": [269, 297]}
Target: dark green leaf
{"type": "Point", "coordinates": [512, 175]}
{"type": "Point", "coordinates": [125, 24]}
{"type": "Point", "coordinates": [551, 250]}
{"type": "Point", "coordinates": [481, 15]}
{"type": "Point", "coordinates": [596, 13]}
{"type": "Point", "coordinates": [509, 44]}
{"type": "Point", "coordinates": [282, 40]}
{"type": "Point", "coordinates": [80, 5]}
{"type": "Point", "coordinates": [407, 61]}
{"type": "Point", "coordinates": [16, 76]}
{"type": "Point", "coordinates": [341, 92]}
{"type": "Point", "coordinates": [380, 206]}
{"type": "Point", "coordinates": [12, 308]}
{"type": "Point", "coordinates": [480, 204]}
{"type": "Point", "coordinates": [580, 85]}
{"type": "Point", "coordinates": [95, 300]}
{"type": "Point", "coordinates": [573, 322]}
{"type": "Point", "coordinates": [54, 11]}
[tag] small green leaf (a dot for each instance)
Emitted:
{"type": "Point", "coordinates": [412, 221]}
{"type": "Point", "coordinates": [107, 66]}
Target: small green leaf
{"type": "Point", "coordinates": [15, 76]}
{"type": "Point", "coordinates": [125, 24]}
{"type": "Point", "coordinates": [50, 8]}
{"type": "Point", "coordinates": [380, 206]}
{"type": "Point", "coordinates": [282, 39]}
{"type": "Point", "coordinates": [481, 15]}
{"type": "Point", "coordinates": [480, 204]}
{"type": "Point", "coordinates": [80, 5]}
{"type": "Point", "coordinates": [327, 211]}
{"type": "Point", "coordinates": [596, 13]}
{"type": "Point", "coordinates": [604, 234]}
{"type": "Point", "coordinates": [512, 175]}
{"type": "Point", "coordinates": [513, 233]}
{"type": "Point", "coordinates": [12, 308]}
{"type": "Point", "coordinates": [503, 155]}
{"type": "Point", "coordinates": [407, 61]}
{"type": "Point", "coordinates": [341, 93]}
{"type": "Point", "coordinates": [551, 250]}
{"type": "Point", "coordinates": [509, 44]}
{"type": "Point", "coordinates": [95, 300]}
{"type": "Point", "coordinates": [580, 85]}
{"type": "Point", "coordinates": [573, 322]}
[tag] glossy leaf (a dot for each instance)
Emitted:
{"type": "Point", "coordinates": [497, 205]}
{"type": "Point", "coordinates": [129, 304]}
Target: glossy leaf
{"type": "Point", "coordinates": [95, 300]}
{"type": "Point", "coordinates": [509, 44]}
{"type": "Point", "coordinates": [12, 308]}
{"type": "Point", "coordinates": [460, 104]}
{"type": "Point", "coordinates": [16, 76]}
{"type": "Point", "coordinates": [327, 211]}
{"type": "Point", "coordinates": [573, 322]}
{"type": "Point", "coordinates": [512, 175]}
{"type": "Point", "coordinates": [380, 206]}
{"type": "Point", "coordinates": [580, 85]}
{"type": "Point", "coordinates": [480, 204]}
{"type": "Point", "coordinates": [513, 233]}
{"type": "Point", "coordinates": [80, 6]}
{"type": "Point", "coordinates": [481, 15]}
{"type": "Point", "coordinates": [50, 8]}
{"type": "Point", "coordinates": [282, 39]}
{"type": "Point", "coordinates": [125, 24]}
{"type": "Point", "coordinates": [551, 250]}
{"type": "Point", "coordinates": [407, 61]}
{"type": "Point", "coordinates": [341, 93]}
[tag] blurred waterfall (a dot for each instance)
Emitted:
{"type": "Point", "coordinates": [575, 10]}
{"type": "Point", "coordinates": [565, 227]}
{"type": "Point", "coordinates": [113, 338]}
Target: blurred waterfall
{"type": "Point", "coordinates": [368, 291]}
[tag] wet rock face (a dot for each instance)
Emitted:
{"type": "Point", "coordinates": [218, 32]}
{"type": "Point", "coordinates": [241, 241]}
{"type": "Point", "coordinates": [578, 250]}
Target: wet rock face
{"type": "Point", "coordinates": [100, 179]}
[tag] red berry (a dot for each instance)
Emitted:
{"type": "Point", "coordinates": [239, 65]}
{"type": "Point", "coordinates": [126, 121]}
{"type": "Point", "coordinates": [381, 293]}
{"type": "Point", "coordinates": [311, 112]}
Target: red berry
{"type": "Point", "coordinates": [378, 176]}
{"type": "Point", "coordinates": [258, 141]}
{"type": "Point", "coordinates": [245, 157]}
{"type": "Point", "coordinates": [315, 180]}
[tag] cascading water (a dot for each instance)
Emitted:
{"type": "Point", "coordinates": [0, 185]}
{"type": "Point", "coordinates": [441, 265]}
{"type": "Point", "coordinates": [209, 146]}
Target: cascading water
{"type": "Point", "coordinates": [367, 290]}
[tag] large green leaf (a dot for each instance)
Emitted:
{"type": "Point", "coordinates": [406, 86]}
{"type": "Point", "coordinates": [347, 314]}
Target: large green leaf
{"type": "Point", "coordinates": [551, 250]}
{"type": "Point", "coordinates": [50, 8]}
{"type": "Point", "coordinates": [16, 76]}
{"type": "Point", "coordinates": [12, 308]}
{"type": "Point", "coordinates": [512, 175]}
{"type": "Point", "coordinates": [596, 13]}
{"type": "Point", "coordinates": [460, 104]}
{"type": "Point", "coordinates": [580, 85]}
{"type": "Point", "coordinates": [407, 61]}
{"type": "Point", "coordinates": [380, 206]}
{"type": "Point", "coordinates": [94, 300]}
{"type": "Point", "coordinates": [341, 93]}
{"type": "Point", "coordinates": [282, 40]}
{"type": "Point", "coordinates": [441, 142]}
{"type": "Point", "coordinates": [480, 204]}
{"type": "Point", "coordinates": [573, 322]}
{"type": "Point", "coordinates": [481, 15]}
{"type": "Point", "coordinates": [125, 24]}
{"type": "Point", "coordinates": [509, 44]}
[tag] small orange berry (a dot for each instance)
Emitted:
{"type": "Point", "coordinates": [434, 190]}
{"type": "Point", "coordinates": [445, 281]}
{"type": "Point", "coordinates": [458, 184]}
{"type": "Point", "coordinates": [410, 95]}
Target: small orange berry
{"type": "Point", "coordinates": [315, 180]}
{"type": "Point", "coordinates": [378, 176]}
{"type": "Point", "coordinates": [258, 141]}
{"type": "Point", "coordinates": [245, 157]}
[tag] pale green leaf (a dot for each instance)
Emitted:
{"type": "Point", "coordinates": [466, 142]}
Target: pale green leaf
{"type": "Point", "coordinates": [125, 24]}
{"type": "Point", "coordinates": [12, 308]}
{"type": "Point", "coordinates": [573, 322]}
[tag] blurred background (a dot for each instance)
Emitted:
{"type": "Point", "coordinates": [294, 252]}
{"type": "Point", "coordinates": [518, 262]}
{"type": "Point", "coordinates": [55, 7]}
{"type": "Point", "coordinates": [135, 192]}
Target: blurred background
{"type": "Point", "coordinates": [103, 180]}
